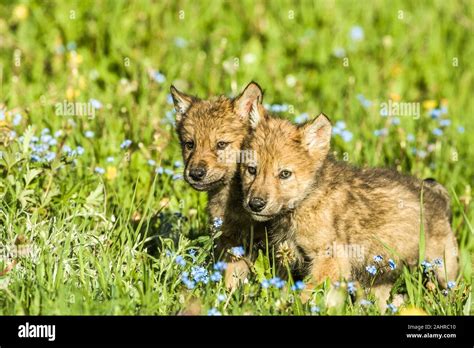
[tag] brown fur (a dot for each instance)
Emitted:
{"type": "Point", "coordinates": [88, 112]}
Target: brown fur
{"type": "Point", "coordinates": [206, 123]}
{"type": "Point", "coordinates": [325, 203]}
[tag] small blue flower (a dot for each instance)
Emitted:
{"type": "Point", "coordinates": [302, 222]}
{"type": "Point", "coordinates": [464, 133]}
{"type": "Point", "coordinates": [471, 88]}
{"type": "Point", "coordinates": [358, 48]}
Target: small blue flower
{"type": "Point", "coordinates": [168, 171]}
{"type": "Point", "coordinates": [278, 107]}
{"type": "Point", "coordinates": [444, 123]}
{"type": "Point", "coordinates": [180, 42]}
{"type": "Point", "coordinates": [265, 284]}
{"type": "Point", "coordinates": [410, 138]}
{"type": "Point", "coordinates": [216, 276]}
{"type": "Point", "coordinates": [199, 274]}
{"type": "Point", "coordinates": [421, 153]}
{"type": "Point", "coordinates": [340, 125]}
{"type": "Point", "coordinates": [438, 262]}
{"type": "Point", "coordinates": [71, 46]}
{"type": "Point", "coordinates": [365, 303]}
{"type": "Point", "coordinates": [346, 136]}
{"type": "Point", "coordinates": [392, 264]}
{"type": "Point", "coordinates": [435, 113]}
{"type": "Point", "coordinates": [46, 138]}
{"type": "Point", "coordinates": [339, 52]}
{"type": "Point", "coordinates": [351, 288]}
{"type": "Point", "coordinates": [357, 33]}
{"type": "Point", "coordinates": [158, 77]}
{"type": "Point", "coordinates": [17, 119]}
{"type": "Point", "coordinates": [426, 266]}
{"type": "Point", "coordinates": [302, 118]}
{"type": "Point", "coordinates": [220, 266]}
{"type": "Point", "coordinates": [371, 269]}
{"type": "Point", "coordinates": [80, 150]}
{"type": "Point", "coordinates": [45, 131]}
{"type": "Point", "coordinates": [217, 223]}
{"type": "Point", "coordinates": [50, 156]}
{"type": "Point", "coordinates": [89, 134]}
{"type": "Point", "coordinates": [438, 132]}
{"type": "Point", "coordinates": [378, 258]}
{"type": "Point", "coordinates": [451, 284]}
{"type": "Point", "coordinates": [237, 251]}
{"type": "Point", "coordinates": [395, 121]}
{"type": "Point", "coordinates": [99, 170]}
{"type": "Point", "coordinates": [315, 309]}
{"type": "Point", "coordinates": [187, 282]}
{"type": "Point", "coordinates": [221, 298]}
{"type": "Point", "coordinates": [336, 131]}
{"type": "Point", "coordinates": [299, 285]}
{"type": "Point", "coordinates": [392, 307]}
{"type": "Point", "coordinates": [95, 103]}
{"type": "Point", "coordinates": [178, 164]}
{"type": "Point", "coordinates": [180, 261]}
{"type": "Point", "coordinates": [151, 162]}
{"type": "Point", "coordinates": [381, 132]}
{"type": "Point", "coordinates": [277, 282]}
{"type": "Point", "coordinates": [58, 133]}
{"type": "Point", "coordinates": [126, 144]}
{"type": "Point", "coordinates": [461, 129]}
{"type": "Point", "coordinates": [159, 170]}
{"type": "Point", "coordinates": [214, 312]}
{"type": "Point", "coordinates": [110, 159]}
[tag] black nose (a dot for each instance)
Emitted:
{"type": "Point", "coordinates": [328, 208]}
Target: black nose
{"type": "Point", "coordinates": [257, 204]}
{"type": "Point", "coordinates": [197, 173]}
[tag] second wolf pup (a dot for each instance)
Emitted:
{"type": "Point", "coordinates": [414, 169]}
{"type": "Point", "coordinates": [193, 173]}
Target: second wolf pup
{"type": "Point", "coordinates": [316, 202]}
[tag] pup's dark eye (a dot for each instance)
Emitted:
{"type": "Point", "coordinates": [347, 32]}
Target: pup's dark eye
{"type": "Point", "coordinates": [284, 174]}
{"type": "Point", "coordinates": [221, 145]}
{"type": "Point", "coordinates": [189, 145]}
{"type": "Point", "coordinates": [252, 170]}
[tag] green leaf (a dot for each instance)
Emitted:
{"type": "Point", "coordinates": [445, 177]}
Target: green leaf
{"type": "Point", "coordinates": [262, 267]}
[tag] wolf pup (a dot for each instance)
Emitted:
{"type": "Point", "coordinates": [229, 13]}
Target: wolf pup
{"type": "Point", "coordinates": [211, 133]}
{"type": "Point", "coordinates": [318, 203]}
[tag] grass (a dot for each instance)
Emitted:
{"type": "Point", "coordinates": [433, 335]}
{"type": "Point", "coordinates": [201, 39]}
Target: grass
{"type": "Point", "coordinates": [83, 233]}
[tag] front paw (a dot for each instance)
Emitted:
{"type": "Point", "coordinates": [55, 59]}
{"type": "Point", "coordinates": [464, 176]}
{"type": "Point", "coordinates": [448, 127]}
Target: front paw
{"type": "Point", "coordinates": [236, 274]}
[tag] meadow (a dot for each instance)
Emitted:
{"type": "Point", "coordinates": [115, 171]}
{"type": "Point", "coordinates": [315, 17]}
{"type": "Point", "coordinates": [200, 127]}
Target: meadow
{"type": "Point", "coordinates": [95, 217]}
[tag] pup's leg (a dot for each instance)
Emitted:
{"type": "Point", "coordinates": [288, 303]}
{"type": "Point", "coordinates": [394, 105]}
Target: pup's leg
{"type": "Point", "coordinates": [442, 244]}
{"type": "Point", "coordinates": [236, 273]}
{"type": "Point", "coordinates": [323, 268]}
{"type": "Point", "coordinates": [382, 294]}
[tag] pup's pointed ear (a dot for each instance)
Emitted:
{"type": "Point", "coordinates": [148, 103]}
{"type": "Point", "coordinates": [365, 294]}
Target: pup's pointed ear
{"type": "Point", "coordinates": [317, 134]}
{"type": "Point", "coordinates": [181, 101]}
{"type": "Point", "coordinates": [249, 102]}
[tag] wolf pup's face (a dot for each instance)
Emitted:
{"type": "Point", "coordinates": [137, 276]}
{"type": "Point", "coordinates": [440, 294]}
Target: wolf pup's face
{"type": "Point", "coordinates": [287, 158]}
{"type": "Point", "coordinates": [211, 133]}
